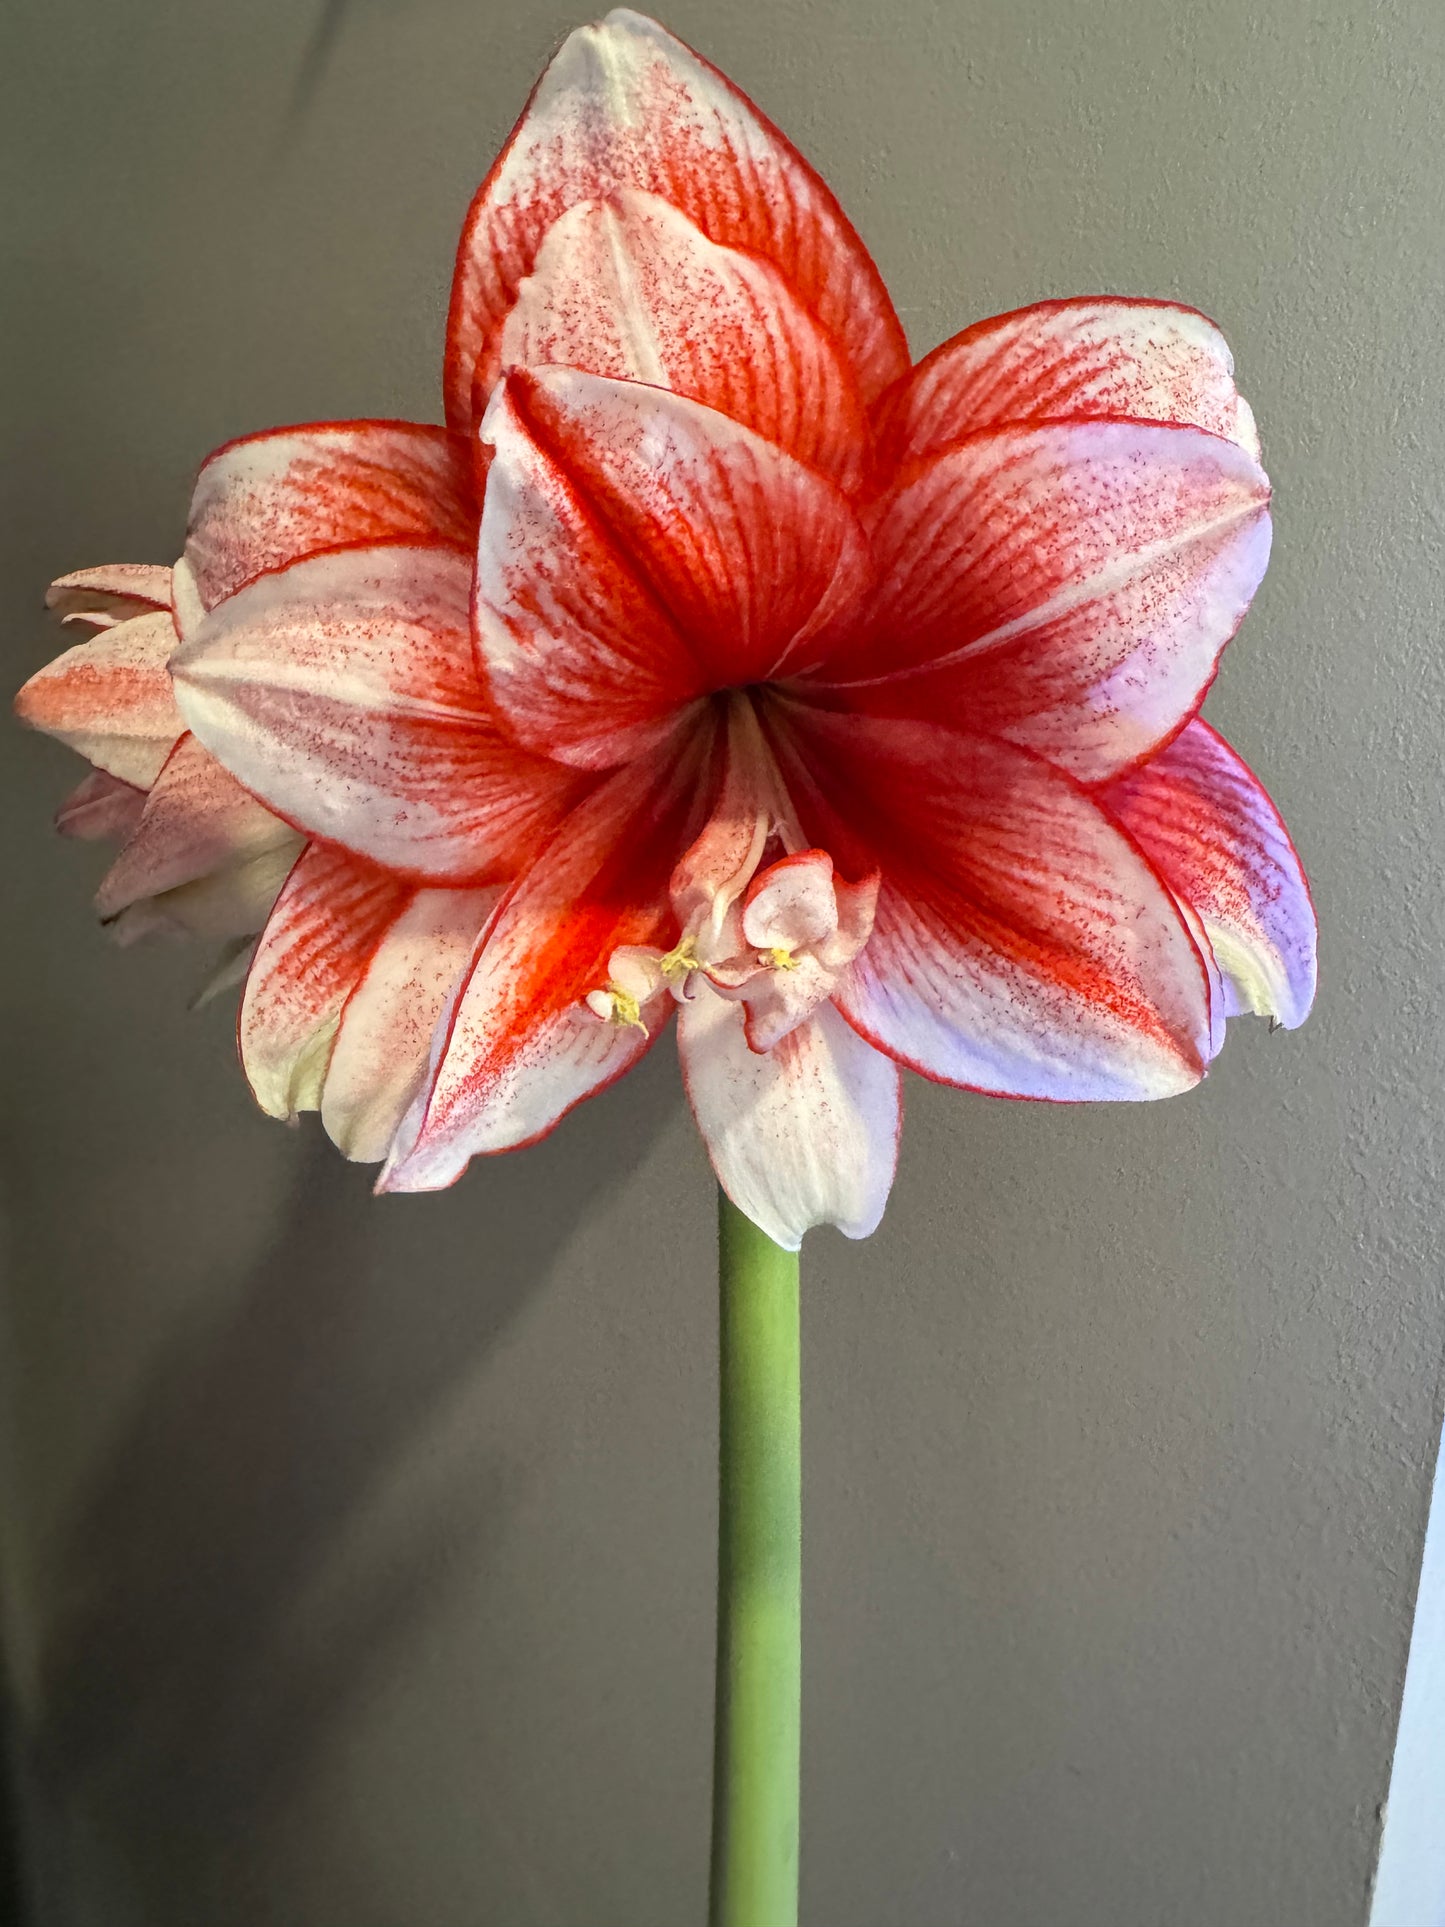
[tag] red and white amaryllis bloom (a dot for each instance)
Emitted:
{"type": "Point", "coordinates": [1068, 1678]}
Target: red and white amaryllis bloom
{"type": "Point", "coordinates": [716, 660]}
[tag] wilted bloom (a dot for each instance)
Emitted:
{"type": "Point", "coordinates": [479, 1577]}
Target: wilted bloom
{"type": "Point", "coordinates": [846, 708]}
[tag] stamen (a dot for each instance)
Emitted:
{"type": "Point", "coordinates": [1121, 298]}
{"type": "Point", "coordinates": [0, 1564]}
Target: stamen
{"type": "Point", "coordinates": [680, 962]}
{"type": "Point", "coordinates": [617, 1006]}
{"type": "Point", "coordinates": [781, 958]}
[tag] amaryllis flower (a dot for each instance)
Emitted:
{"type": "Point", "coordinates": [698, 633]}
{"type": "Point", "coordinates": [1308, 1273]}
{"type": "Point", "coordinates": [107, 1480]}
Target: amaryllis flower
{"type": "Point", "coordinates": [847, 708]}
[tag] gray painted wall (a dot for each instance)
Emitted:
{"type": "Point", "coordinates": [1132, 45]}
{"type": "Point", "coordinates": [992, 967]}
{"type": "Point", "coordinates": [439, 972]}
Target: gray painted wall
{"type": "Point", "coordinates": [358, 1555]}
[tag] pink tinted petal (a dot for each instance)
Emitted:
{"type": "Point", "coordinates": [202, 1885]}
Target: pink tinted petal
{"type": "Point", "coordinates": [805, 1135]}
{"type": "Point", "coordinates": [271, 499]}
{"type": "Point", "coordinates": [112, 593]}
{"type": "Point", "coordinates": [629, 287]}
{"type": "Point", "coordinates": [328, 921]}
{"type": "Point", "coordinates": [613, 507]}
{"type": "Point", "coordinates": [110, 698]}
{"type": "Point", "coordinates": [196, 819]}
{"type": "Point", "coordinates": [518, 1047]}
{"type": "Point", "coordinates": [343, 691]}
{"type": "Point", "coordinates": [1099, 356]}
{"type": "Point", "coordinates": [1069, 587]}
{"type": "Point", "coordinates": [625, 105]}
{"type": "Point", "coordinates": [1217, 839]}
{"type": "Point", "coordinates": [230, 903]}
{"type": "Point", "coordinates": [100, 806]}
{"type": "Point", "coordinates": [1022, 944]}
{"type": "Point", "coordinates": [792, 902]}
{"type": "Point", "coordinates": [381, 1050]}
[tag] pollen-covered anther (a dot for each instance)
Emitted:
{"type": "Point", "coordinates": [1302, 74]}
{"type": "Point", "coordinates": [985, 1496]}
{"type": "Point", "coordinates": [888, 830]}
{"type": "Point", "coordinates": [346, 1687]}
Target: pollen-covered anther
{"type": "Point", "coordinates": [614, 1005]}
{"type": "Point", "coordinates": [779, 957]}
{"type": "Point", "coordinates": [635, 975]}
{"type": "Point", "coordinates": [679, 963]}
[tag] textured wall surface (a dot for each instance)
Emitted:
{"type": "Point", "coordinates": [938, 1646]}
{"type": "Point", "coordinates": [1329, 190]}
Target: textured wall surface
{"type": "Point", "coordinates": [358, 1555]}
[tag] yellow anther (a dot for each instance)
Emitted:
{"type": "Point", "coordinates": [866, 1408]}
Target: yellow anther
{"type": "Point", "coordinates": [678, 963]}
{"type": "Point", "coordinates": [626, 1011]}
{"type": "Point", "coordinates": [782, 959]}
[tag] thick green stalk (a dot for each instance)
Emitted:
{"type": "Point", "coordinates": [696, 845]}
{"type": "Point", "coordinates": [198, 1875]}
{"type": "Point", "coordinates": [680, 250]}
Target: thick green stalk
{"type": "Point", "coordinates": [759, 1584]}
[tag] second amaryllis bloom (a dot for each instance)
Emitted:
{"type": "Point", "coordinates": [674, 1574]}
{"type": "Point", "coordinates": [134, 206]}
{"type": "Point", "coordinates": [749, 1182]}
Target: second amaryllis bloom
{"type": "Point", "coordinates": [717, 661]}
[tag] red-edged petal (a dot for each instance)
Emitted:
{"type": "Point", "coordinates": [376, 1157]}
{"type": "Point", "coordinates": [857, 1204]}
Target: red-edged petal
{"type": "Point", "coordinates": [518, 1048]}
{"type": "Point", "coordinates": [639, 549]}
{"type": "Point", "coordinates": [629, 287]}
{"type": "Point", "coordinates": [112, 593]}
{"type": "Point", "coordinates": [1219, 842]}
{"type": "Point", "coordinates": [343, 691]}
{"type": "Point", "coordinates": [1022, 943]}
{"type": "Point", "coordinates": [806, 1134]}
{"type": "Point", "coordinates": [110, 698]}
{"type": "Point", "coordinates": [382, 1047]}
{"type": "Point", "coordinates": [622, 105]}
{"type": "Point", "coordinates": [328, 921]}
{"type": "Point", "coordinates": [1068, 586]}
{"type": "Point", "coordinates": [100, 806]}
{"type": "Point", "coordinates": [271, 499]}
{"type": "Point", "coordinates": [196, 819]}
{"type": "Point", "coordinates": [1099, 356]}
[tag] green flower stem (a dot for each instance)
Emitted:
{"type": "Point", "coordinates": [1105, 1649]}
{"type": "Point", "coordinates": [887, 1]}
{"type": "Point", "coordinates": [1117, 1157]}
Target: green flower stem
{"type": "Point", "coordinates": [759, 1582]}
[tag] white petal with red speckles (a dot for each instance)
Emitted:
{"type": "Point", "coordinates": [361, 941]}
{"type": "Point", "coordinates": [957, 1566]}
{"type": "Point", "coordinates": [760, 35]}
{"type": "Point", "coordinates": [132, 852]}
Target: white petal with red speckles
{"type": "Point", "coordinates": [1097, 356]}
{"type": "Point", "coordinates": [806, 1134]}
{"type": "Point", "coordinates": [1021, 944]}
{"type": "Point", "coordinates": [230, 903]}
{"type": "Point", "coordinates": [1208, 824]}
{"type": "Point", "coordinates": [196, 819]}
{"type": "Point", "coordinates": [112, 593]}
{"type": "Point", "coordinates": [327, 923]}
{"type": "Point", "coordinates": [624, 104]}
{"type": "Point", "coordinates": [519, 1047]}
{"type": "Point", "coordinates": [639, 550]}
{"type": "Point", "coordinates": [343, 691]}
{"type": "Point", "coordinates": [1069, 587]}
{"type": "Point", "coordinates": [111, 699]}
{"type": "Point", "coordinates": [629, 287]}
{"type": "Point", "coordinates": [100, 806]}
{"type": "Point", "coordinates": [384, 1041]}
{"type": "Point", "coordinates": [271, 499]}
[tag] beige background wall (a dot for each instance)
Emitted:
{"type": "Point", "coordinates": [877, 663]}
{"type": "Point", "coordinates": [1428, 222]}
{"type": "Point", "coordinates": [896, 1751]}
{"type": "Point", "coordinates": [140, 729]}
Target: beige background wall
{"type": "Point", "coordinates": [358, 1555]}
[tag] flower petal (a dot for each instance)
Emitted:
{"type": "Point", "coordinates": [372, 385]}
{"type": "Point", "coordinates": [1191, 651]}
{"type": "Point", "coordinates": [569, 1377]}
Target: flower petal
{"type": "Point", "coordinates": [110, 698]}
{"type": "Point", "coordinates": [806, 1134]}
{"type": "Point", "coordinates": [197, 819]}
{"type": "Point", "coordinates": [382, 1047]}
{"type": "Point", "coordinates": [1099, 356]}
{"type": "Point", "coordinates": [792, 902]}
{"type": "Point", "coordinates": [1022, 944]}
{"type": "Point", "coordinates": [100, 806]}
{"type": "Point", "coordinates": [271, 499]}
{"type": "Point", "coordinates": [1210, 828]}
{"type": "Point", "coordinates": [112, 593]}
{"type": "Point", "coordinates": [638, 550]}
{"type": "Point", "coordinates": [328, 921]}
{"type": "Point", "coordinates": [343, 691]}
{"type": "Point", "coordinates": [518, 1048]}
{"type": "Point", "coordinates": [230, 903]}
{"type": "Point", "coordinates": [622, 105]}
{"type": "Point", "coordinates": [1068, 586]}
{"type": "Point", "coordinates": [629, 287]}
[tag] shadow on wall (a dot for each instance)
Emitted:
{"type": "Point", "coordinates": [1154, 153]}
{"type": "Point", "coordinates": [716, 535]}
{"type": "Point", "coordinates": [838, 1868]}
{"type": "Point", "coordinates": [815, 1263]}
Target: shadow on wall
{"type": "Point", "coordinates": [181, 1710]}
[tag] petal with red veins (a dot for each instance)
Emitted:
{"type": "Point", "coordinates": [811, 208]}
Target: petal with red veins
{"type": "Point", "coordinates": [343, 692]}
{"type": "Point", "coordinates": [111, 699]}
{"type": "Point", "coordinates": [1099, 356]}
{"type": "Point", "coordinates": [1208, 824]}
{"type": "Point", "coordinates": [625, 105]}
{"type": "Point", "coordinates": [629, 287]}
{"type": "Point", "coordinates": [112, 593]}
{"type": "Point", "coordinates": [1022, 944]}
{"type": "Point", "coordinates": [638, 550]}
{"type": "Point", "coordinates": [805, 1134]}
{"type": "Point", "coordinates": [1068, 586]}
{"type": "Point", "coordinates": [327, 923]}
{"type": "Point", "coordinates": [518, 1047]}
{"type": "Point", "coordinates": [196, 819]}
{"type": "Point", "coordinates": [271, 499]}
{"type": "Point", "coordinates": [382, 1047]}
{"type": "Point", "coordinates": [100, 806]}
